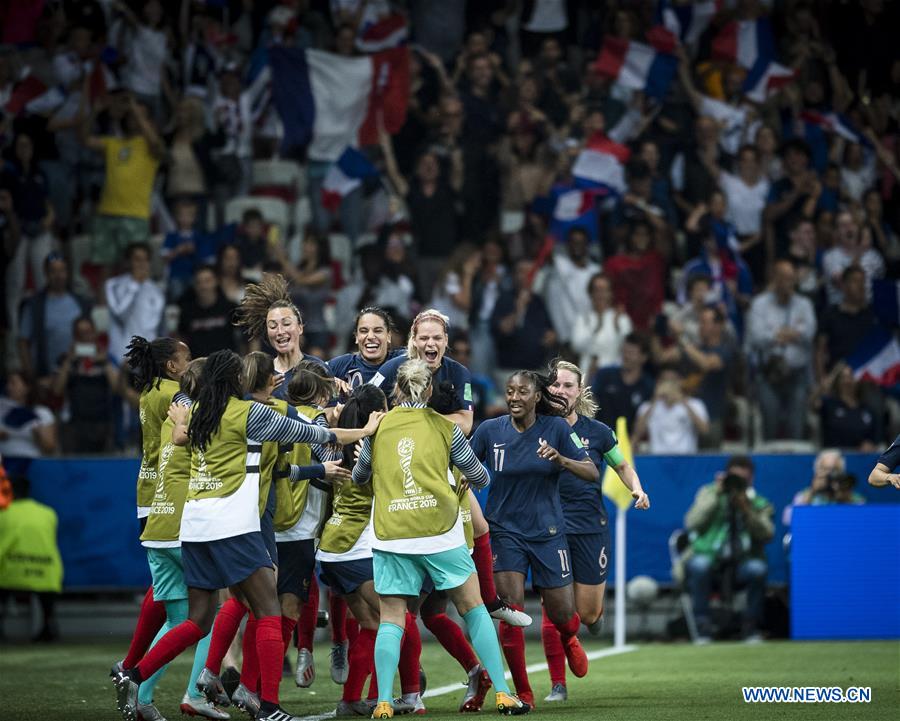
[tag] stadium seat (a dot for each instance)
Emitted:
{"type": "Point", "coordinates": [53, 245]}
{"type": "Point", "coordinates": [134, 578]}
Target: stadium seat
{"type": "Point", "coordinates": [279, 174]}
{"type": "Point", "coordinates": [274, 211]}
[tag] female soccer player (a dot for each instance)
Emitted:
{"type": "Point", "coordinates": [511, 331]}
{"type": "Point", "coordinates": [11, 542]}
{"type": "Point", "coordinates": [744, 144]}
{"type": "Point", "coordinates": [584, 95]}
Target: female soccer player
{"type": "Point", "coordinates": [586, 527]}
{"type": "Point", "coordinates": [221, 542]}
{"type": "Point", "coordinates": [527, 451]}
{"type": "Point", "coordinates": [428, 339]}
{"type": "Point", "coordinates": [372, 336]}
{"type": "Point", "coordinates": [418, 528]}
{"type": "Point", "coordinates": [160, 538]}
{"type": "Point", "coordinates": [883, 473]}
{"type": "Point", "coordinates": [155, 370]}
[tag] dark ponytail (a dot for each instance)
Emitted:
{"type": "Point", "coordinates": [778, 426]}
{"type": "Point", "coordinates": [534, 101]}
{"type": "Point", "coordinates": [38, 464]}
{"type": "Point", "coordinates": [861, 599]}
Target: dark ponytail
{"type": "Point", "coordinates": [549, 404]}
{"type": "Point", "coordinates": [219, 382]}
{"type": "Point", "coordinates": [309, 384]}
{"type": "Point", "coordinates": [355, 413]}
{"type": "Point", "coordinates": [147, 360]}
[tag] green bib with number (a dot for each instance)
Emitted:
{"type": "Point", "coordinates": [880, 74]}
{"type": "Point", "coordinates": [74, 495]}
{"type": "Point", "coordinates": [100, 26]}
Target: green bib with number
{"type": "Point", "coordinates": [410, 457]}
{"type": "Point", "coordinates": [152, 411]}
{"type": "Point", "coordinates": [290, 498]}
{"type": "Point", "coordinates": [221, 469]}
{"type": "Point", "coordinates": [174, 470]}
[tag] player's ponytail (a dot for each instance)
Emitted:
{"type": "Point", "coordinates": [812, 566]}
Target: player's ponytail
{"type": "Point", "coordinates": [585, 405]}
{"type": "Point", "coordinates": [355, 414]}
{"type": "Point", "coordinates": [258, 371]}
{"type": "Point", "coordinates": [146, 360]}
{"type": "Point", "coordinates": [190, 381]}
{"type": "Point", "coordinates": [219, 382]}
{"type": "Point", "coordinates": [259, 298]}
{"type": "Point", "coordinates": [413, 382]}
{"type": "Point", "coordinates": [549, 403]}
{"type": "Point", "coordinates": [310, 385]}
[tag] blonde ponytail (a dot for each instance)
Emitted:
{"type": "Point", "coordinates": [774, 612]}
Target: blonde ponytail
{"type": "Point", "coordinates": [413, 382]}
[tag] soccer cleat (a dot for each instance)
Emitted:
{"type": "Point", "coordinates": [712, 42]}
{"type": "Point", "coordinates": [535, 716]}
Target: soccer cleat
{"type": "Point", "coordinates": [231, 678]}
{"type": "Point", "coordinates": [340, 667]}
{"type": "Point", "coordinates": [383, 710]}
{"type": "Point", "coordinates": [278, 714]}
{"type": "Point", "coordinates": [149, 712]}
{"type": "Point", "coordinates": [409, 703]}
{"type": "Point", "coordinates": [478, 686]}
{"type": "Point", "coordinates": [527, 697]}
{"type": "Point", "coordinates": [211, 687]}
{"type": "Point", "coordinates": [510, 615]}
{"type": "Point", "coordinates": [511, 705]}
{"type": "Point", "coordinates": [117, 669]}
{"type": "Point", "coordinates": [203, 708]}
{"type": "Point", "coordinates": [247, 701]}
{"type": "Point", "coordinates": [306, 668]}
{"type": "Point", "coordinates": [577, 658]}
{"type": "Point", "coordinates": [557, 693]}
{"type": "Point", "coordinates": [126, 696]}
{"type": "Point", "coordinates": [352, 709]}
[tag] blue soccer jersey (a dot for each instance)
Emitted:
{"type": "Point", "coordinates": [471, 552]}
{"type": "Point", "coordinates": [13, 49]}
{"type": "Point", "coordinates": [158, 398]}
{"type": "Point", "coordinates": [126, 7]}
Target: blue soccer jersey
{"type": "Point", "coordinates": [582, 501]}
{"type": "Point", "coordinates": [450, 370]}
{"type": "Point", "coordinates": [281, 391]}
{"type": "Point", "coordinates": [891, 457]}
{"type": "Point", "coordinates": [355, 369]}
{"type": "Point", "coordinates": [524, 492]}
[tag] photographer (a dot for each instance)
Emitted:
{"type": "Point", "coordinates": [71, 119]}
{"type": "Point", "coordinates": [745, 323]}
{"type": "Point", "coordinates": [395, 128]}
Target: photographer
{"type": "Point", "coordinates": [828, 463]}
{"type": "Point", "coordinates": [729, 526]}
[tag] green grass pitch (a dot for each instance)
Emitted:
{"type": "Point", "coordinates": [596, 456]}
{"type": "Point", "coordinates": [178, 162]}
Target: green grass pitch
{"type": "Point", "coordinates": [652, 683]}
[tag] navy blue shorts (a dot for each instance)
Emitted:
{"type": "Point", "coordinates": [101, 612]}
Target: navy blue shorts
{"type": "Point", "coordinates": [267, 528]}
{"type": "Point", "coordinates": [590, 557]}
{"type": "Point", "coordinates": [211, 565]}
{"type": "Point", "coordinates": [296, 567]}
{"type": "Point", "coordinates": [344, 577]}
{"type": "Point", "coordinates": [548, 560]}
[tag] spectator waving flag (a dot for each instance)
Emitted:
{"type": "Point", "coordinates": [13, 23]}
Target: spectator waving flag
{"type": "Point", "coordinates": [688, 21]}
{"type": "Point", "coordinates": [877, 359]}
{"type": "Point", "coordinates": [328, 102]}
{"type": "Point", "coordinates": [33, 95]}
{"type": "Point", "coordinates": [345, 176]}
{"type": "Point", "coordinates": [388, 32]}
{"type": "Point", "coordinates": [650, 68]}
{"type": "Point", "coordinates": [834, 123]}
{"type": "Point", "coordinates": [574, 208]}
{"type": "Point", "coordinates": [601, 165]}
{"type": "Point", "coordinates": [751, 44]}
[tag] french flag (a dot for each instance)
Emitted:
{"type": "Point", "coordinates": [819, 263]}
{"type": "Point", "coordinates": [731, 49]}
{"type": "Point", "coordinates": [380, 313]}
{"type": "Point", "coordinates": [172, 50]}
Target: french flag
{"type": "Point", "coordinates": [650, 68]}
{"type": "Point", "coordinates": [575, 208]}
{"type": "Point", "coordinates": [601, 165]}
{"type": "Point", "coordinates": [33, 95]}
{"type": "Point", "coordinates": [766, 78]}
{"type": "Point", "coordinates": [389, 32]}
{"type": "Point", "coordinates": [688, 21]}
{"type": "Point", "coordinates": [344, 177]}
{"type": "Point", "coordinates": [328, 102]}
{"type": "Point", "coordinates": [877, 358]}
{"type": "Point", "coordinates": [833, 123]}
{"type": "Point", "coordinates": [745, 42]}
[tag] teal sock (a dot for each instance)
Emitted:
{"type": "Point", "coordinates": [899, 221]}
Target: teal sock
{"type": "Point", "coordinates": [199, 663]}
{"type": "Point", "coordinates": [176, 612]}
{"type": "Point", "coordinates": [486, 645]}
{"type": "Point", "coordinates": [387, 656]}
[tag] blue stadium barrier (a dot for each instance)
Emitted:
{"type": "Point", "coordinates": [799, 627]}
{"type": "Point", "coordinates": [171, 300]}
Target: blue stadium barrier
{"type": "Point", "coordinates": [98, 531]}
{"type": "Point", "coordinates": [845, 572]}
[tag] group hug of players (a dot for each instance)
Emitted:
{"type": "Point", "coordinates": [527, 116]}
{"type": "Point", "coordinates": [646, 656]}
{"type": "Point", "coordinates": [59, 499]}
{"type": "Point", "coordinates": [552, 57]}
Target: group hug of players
{"type": "Point", "coordinates": [252, 474]}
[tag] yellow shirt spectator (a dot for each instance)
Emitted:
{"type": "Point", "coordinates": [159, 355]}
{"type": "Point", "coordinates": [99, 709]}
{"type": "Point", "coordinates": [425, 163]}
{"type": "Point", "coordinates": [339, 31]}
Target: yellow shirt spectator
{"type": "Point", "coordinates": [130, 172]}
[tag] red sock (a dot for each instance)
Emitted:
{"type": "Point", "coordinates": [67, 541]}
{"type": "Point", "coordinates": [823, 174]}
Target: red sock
{"type": "Point", "coordinates": [151, 618]}
{"type": "Point", "coordinates": [288, 625]}
{"type": "Point", "coordinates": [270, 651]}
{"type": "Point", "coordinates": [228, 619]}
{"type": "Point", "coordinates": [512, 639]}
{"type": "Point", "coordinates": [484, 564]}
{"type": "Point", "coordinates": [373, 681]}
{"type": "Point", "coordinates": [452, 638]}
{"type": "Point", "coordinates": [568, 629]}
{"type": "Point", "coordinates": [362, 660]}
{"type": "Point", "coordinates": [352, 628]}
{"type": "Point", "coordinates": [410, 653]}
{"type": "Point", "coordinates": [553, 650]}
{"type": "Point", "coordinates": [309, 611]}
{"type": "Point", "coordinates": [250, 666]}
{"type": "Point", "coordinates": [338, 608]}
{"type": "Point", "coordinates": [183, 636]}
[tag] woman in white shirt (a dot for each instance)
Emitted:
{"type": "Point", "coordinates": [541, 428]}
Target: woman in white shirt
{"type": "Point", "coordinates": [597, 335]}
{"type": "Point", "coordinates": [27, 430]}
{"type": "Point", "coordinates": [746, 193]}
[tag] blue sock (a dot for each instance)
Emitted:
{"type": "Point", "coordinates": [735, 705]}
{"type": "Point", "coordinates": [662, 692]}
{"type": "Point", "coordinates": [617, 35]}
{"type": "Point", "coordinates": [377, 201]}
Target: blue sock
{"type": "Point", "coordinates": [387, 656]}
{"type": "Point", "coordinates": [176, 612]}
{"type": "Point", "coordinates": [486, 645]}
{"type": "Point", "coordinates": [199, 663]}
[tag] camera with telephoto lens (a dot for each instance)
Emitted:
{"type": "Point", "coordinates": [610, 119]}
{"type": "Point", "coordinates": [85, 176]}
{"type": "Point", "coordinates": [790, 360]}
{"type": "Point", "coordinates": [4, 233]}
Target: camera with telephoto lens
{"type": "Point", "coordinates": [733, 483]}
{"type": "Point", "coordinates": [839, 483]}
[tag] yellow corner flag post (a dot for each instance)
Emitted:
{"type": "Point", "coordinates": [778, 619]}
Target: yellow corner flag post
{"type": "Point", "coordinates": [618, 493]}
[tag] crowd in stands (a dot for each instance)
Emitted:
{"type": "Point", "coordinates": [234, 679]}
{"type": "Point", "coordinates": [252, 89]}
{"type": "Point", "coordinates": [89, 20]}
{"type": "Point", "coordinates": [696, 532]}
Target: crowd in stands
{"type": "Point", "coordinates": [723, 294]}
